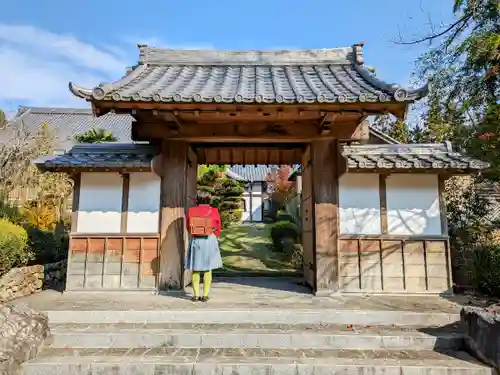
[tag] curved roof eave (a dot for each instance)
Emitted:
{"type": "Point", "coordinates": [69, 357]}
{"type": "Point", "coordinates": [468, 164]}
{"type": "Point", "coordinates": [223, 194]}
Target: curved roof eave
{"type": "Point", "coordinates": [401, 94]}
{"type": "Point", "coordinates": [105, 91]}
{"type": "Point", "coordinates": [80, 92]}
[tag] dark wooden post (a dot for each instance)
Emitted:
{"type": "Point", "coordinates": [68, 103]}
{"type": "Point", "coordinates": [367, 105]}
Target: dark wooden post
{"type": "Point", "coordinates": [325, 186]}
{"type": "Point", "coordinates": [191, 190]}
{"type": "Point", "coordinates": [173, 205]}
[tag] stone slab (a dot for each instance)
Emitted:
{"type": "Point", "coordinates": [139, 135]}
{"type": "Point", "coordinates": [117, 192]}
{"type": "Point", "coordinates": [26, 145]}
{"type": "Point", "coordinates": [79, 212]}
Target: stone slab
{"type": "Point", "coordinates": [226, 336]}
{"type": "Point", "coordinates": [223, 316]}
{"type": "Point", "coordinates": [172, 361]}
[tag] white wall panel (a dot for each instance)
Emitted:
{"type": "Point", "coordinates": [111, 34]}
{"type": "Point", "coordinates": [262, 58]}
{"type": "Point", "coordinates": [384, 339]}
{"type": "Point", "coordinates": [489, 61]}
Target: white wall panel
{"type": "Point", "coordinates": [100, 202]}
{"type": "Point", "coordinates": [359, 204]}
{"type": "Point", "coordinates": [413, 204]}
{"type": "Point", "coordinates": [144, 203]}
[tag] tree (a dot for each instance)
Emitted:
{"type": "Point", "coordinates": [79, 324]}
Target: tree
{"type": "Point", "coordinates": [208, 175]}
{"type": "Point", "coordinates": [18, 173]}
{"type": "Point", "coordinates": [96, 136]}
{"type": "Point", "coordinates": [3, 119]}
{"type": "Point", "coordinates": [280, 188]}
{"type": "Point", "coordinates": [217, 169]}
{"type": "Point", "coordinates": [228, 198]}
{"type": "Point", "coordinates": [394, 128]}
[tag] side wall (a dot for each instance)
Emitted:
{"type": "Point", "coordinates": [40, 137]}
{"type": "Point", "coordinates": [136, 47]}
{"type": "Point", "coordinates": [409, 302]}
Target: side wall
{"type": "Point", "coordinates": [392, 235]}
{"type": "Point", "coordinates": [115, 233]}
{"type": "Point", "coordinates": [253, 199]}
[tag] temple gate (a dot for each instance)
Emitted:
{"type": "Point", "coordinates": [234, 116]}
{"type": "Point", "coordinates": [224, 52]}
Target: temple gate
{"type": "Point", "coordinates": [278, 107]}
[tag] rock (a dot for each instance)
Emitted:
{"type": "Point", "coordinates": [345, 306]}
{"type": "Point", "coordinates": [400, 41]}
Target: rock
{"type": "Point", "coordinates": [483, 333]}
{"type": "Point", "coordinates": [23, 333]}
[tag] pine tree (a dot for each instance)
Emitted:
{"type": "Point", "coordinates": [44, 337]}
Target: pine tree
{"type": "Point", "coordinates": [96, 136]}
{"type": "Point", "coordinates": [229, 198]}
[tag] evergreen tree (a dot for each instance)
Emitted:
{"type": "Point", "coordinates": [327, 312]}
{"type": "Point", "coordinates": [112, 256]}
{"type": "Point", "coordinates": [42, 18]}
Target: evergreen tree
{"type": "Point", "coordinates": [229, 198]}
{"type": "Point", "coordinates": [96, 136]}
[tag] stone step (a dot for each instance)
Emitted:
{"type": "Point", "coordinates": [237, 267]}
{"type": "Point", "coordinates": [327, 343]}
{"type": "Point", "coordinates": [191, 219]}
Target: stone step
{"type": "Point", "coordinates": [204, 361]}
{"type": "Point", "coordinates": [266, 336]}
{"type": "Point", "coordinates": [255, 315]}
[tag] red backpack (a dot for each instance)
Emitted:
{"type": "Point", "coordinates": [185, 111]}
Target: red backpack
{"type": "Point", "coordinates": [201, 225]}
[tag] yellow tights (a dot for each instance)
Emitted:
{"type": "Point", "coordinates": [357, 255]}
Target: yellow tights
{"type": "Point", "coordinates": [207, 282]}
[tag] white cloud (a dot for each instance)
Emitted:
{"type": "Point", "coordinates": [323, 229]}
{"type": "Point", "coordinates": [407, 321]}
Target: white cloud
{"type": "Point", "coordinates": [37, 66]}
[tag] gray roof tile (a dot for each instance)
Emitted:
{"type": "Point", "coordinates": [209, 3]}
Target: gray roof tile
{"type": "Point", "coordinates": [359, 157]}
{"type": "Point", "coordinates": [66, 123]}
{"type": "Point", "coordinates": [288, 76]}
{"type": "Point", "coordinates": [101, 156]}
{"type": "Point", "coordinates": [250, 172]}
{"type": "Point", "coordinates": [416, 156]}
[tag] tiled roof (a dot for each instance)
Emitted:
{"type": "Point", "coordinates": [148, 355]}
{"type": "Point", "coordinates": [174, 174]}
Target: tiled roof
{"type": "Point", "coordinates": [285, 76]}
{"type": "Point", "coordinates": [66, 123]}
{"type": "Point", "coordinates": [101, 156]}
{"type": "Point", "coordinates": [250, 172]}
{"type": "Point", "coordinates": [416, 156]}
{"type": "Point", "coordinates": [359, 157]}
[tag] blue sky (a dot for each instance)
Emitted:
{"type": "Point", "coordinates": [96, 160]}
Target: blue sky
{"type": "Point", "coordinates": [42, 47]}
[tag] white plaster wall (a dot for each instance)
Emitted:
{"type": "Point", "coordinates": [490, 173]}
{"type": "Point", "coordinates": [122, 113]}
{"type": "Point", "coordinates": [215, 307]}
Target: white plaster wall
{"type": "Point", "coordinates": [359, 204]}
{"type": "Point", "coordinates": [245, 216]}
{"type": "Point", "coordinates": [143, 203]}
{"type": "Point", "coordinates": [100, 203]}
{"type": "Point", "coordinates": [253, 205]}
{"type": "Point", "coordinates": [413, 204]}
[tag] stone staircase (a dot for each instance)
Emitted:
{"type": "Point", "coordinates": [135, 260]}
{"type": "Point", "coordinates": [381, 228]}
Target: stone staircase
{"type": "Point", "coordinates": [208, 339]}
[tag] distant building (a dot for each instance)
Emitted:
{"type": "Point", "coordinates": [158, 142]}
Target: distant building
{"type": "Point", "coordinates": [256, 198]}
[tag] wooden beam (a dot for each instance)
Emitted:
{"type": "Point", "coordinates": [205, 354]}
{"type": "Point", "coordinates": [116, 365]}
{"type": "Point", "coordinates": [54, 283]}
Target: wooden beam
{"type": "Point", "coordinates": [326, 123]}
{"type": "Point", "coordinates": [75, 206]}
{"type": "Point", "coordinates": [382, 186]}
{"type": "Point", "coordinates": [125, 195]}
{"type": "Point", "coordinates": [369, 108]}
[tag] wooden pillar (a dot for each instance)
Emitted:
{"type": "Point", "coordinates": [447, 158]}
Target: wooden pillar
{"type": "Point", "coordinates": [325, 186]}
{"type": "Point", "coordinates": [191, 190]}
{"type": "Point", "coordinates": [173, 204]}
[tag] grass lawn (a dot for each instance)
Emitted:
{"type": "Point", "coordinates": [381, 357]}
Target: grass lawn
{"type": "Point", "coordinates": [248, 248]}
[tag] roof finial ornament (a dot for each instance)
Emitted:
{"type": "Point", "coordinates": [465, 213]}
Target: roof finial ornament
{"type": "Point", "coordinates": [358, 53]}
{"type": "Point", "coordinates": [143, 48]}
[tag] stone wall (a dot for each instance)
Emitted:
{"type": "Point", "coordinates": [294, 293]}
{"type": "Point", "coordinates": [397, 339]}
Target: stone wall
{"type": "Point", "coordinates": [23, 332]}
{"type": "Point", "coordinates": [483, 333]}
{"type": "Point", "coordinates": [23, 281]}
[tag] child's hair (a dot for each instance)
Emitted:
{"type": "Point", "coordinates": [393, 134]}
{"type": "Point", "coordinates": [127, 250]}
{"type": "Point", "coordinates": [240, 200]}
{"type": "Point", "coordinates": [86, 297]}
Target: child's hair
{"type": "Point", "coordinates": [203, 197]}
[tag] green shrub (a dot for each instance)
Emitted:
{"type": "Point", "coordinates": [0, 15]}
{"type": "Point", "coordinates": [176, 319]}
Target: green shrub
{"type": "Point", "coordinates": [230, 217]}
{"type": "Point", "coordinates": [47, 246]}
{"type": "Point", "coordinates": [487, 265]}
{"type": "Point", "coordinates": [40, 215]}
{"type": "Point", "coordinates": [9, 211]}
{"type": "Point", "coordinates": [283, 230]}
{"type": "Point", "coordinates": [13, 246]}
{"type": "Point", "coordinates": [284, 216]}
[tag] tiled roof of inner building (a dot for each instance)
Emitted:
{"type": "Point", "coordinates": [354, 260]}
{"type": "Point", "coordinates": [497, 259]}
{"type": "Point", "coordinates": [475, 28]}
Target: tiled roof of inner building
{"type": "Point", "coordinates": [101, 156]}
{"type": "Point", "coordinates": [65, 123]}
{"type": "Point", "coordinates": [256, 173]}
{"type": "Point", "coordinates": [284, 76]}
{"type": "Point", "coordinates": [413, 156]}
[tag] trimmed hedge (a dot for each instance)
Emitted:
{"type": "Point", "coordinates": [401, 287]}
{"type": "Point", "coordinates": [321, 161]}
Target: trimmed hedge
{"type": "Point", "coordinates": [487, 264]}
{"type": "Point", "coordinates": [283, 230]}
{"type": "Point", "coordinates": [47, 246]}
{"type": "Point", "coordinates": [13, 246]}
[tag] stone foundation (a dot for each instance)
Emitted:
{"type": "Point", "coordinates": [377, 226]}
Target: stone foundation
{"type": "Point", "coordinates": [23, 332]}
{"type": "Point", "coordinates": [24, 281]}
